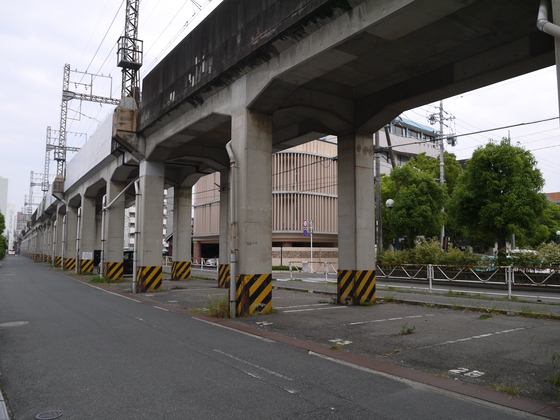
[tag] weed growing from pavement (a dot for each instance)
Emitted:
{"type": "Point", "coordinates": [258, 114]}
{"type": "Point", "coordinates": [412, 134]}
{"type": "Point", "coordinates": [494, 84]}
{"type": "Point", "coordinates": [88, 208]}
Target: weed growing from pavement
{"type": "Point", "coordinates": [514, 390]}
{"type": "Point", "coordinates": [555, 378]}
{"type": "Point", "coordinates": [104, 280]}
{"type": "Point", "coordinates": [295, 280]}
{"type": "Point", "coordinates": [217, 306]}
{"type": "Point", "coordinates": [405, 329]}
{"type": "Point", "coordinates": [389, 298]}
{"type": "Point", "coordinates": [392, 352]}
{"type": "Point", "coordinates": [336, 346]}
{"type": "Point", "coordinates": [485, 316]}
{"type": "Point", "coordinates": [202, 278]}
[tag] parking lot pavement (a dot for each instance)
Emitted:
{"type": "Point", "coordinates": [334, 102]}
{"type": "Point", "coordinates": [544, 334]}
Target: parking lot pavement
{"type": "Point", "coordinates": [492, 344]}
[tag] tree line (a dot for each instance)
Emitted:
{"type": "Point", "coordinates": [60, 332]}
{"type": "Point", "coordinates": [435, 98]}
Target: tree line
{"type": "Point", "coordinates": [496, 196]}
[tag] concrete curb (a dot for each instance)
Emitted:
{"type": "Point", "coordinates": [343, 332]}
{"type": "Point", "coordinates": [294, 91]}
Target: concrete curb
{"type": "Point", "coordinates": [3, 409]}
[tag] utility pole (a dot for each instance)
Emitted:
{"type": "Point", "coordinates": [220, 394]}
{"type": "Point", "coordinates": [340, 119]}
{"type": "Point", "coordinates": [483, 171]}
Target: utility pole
{"type": "Point", "coordinates": [377, 155]}
{"type": "Point", "coordinates": [441, 117]}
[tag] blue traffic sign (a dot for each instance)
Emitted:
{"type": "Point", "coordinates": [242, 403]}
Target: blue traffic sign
{"type": "Point", "coordinates": [304, 232]}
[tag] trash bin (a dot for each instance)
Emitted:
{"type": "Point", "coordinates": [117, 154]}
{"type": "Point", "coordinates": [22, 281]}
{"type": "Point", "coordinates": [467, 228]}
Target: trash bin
{"type": "Point", "coordinates": [305, 266]}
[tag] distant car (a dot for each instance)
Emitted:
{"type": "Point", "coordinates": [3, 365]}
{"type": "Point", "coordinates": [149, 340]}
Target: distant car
{"type": "Point", "coordinates": [165, 252]}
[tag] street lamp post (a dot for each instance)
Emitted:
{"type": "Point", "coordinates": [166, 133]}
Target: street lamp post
{"type": "Point", "coordinates": [390, 203]}
{"type": "Point", "coordinates": [558, 237]}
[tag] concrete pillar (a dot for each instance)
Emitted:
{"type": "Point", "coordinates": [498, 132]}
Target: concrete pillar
{"type": "Point", "coordinates": [223, 269]}
{"type": "Point", "coordinates": [70, 239]}
{"type": "Point", "coordinates": [149, 225]}
{"type": "Point", "coordinates": [182, 207]}
{"type": "Point", "coordinates": [58, 239]}
{"type": "Point", "coordinates": [356, 219]}
{"type": "Point", "coordinates": [87, 236]}
{"type": "Point", "coordinates": [114, 233]}
{"type": "Point", "coordinates": [252, 146]}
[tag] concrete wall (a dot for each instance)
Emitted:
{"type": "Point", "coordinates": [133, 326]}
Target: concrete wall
{"type": "Point", "coordinates": [93, 155]}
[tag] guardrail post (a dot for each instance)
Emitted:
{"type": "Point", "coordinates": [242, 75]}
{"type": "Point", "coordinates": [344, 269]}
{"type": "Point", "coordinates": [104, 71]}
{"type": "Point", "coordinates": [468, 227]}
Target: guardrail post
{"type": "Point", "coordinates": [290, 270]}
{"type": "Point", "coordinates": [509, 279]}
{"type": "Point", "coordinates": [430, 275]}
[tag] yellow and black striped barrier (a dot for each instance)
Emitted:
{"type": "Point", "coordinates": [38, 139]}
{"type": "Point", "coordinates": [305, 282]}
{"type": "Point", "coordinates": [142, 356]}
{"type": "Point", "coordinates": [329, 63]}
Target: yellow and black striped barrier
{"type": "Point", "coordinates": [253, 294]}
{"type": "Point", "coordinates": [223, 276]}
{"type": "Point", "coordinates": [86, 266]}
{"type": "Point", "coordinates": [149, 278]}
{"type": "Point", "coordinates": [356, 287]}
{"type": "Point", "coordinates": [114, 270]}
{"type": "Point", "coordinates": [57, 261]}
{"type": "Point", "coordinates": [70, 264]}
{"type": "Point", "coordinates": [180, 270]}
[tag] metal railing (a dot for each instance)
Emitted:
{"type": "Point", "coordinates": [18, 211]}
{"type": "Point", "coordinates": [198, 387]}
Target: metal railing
{"type": "Point", "coordinates": [208, 264]}
{"type": "Point", "coordinates": [483, 275]}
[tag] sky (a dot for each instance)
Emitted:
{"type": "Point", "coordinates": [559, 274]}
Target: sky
{"type": "Point", "coordinates": [37, 38]}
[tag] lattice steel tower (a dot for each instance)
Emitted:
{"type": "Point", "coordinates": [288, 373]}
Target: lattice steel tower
{"type": "Point", "coordinates": [129, 53]}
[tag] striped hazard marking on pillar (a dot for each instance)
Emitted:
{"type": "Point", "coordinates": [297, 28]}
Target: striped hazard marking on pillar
{"type": "Point", "coordinates": [253, 294]}
{"type": "Point", "coordinates": [114, 270]}
{"type": "Point", "coordinates": [86, 266]}
{"type": "Point", "coordinates": [180, 270]}
{"type": "Point", "coordinates": [223, 276]}
{"type": "Point", "coordinates": [70, 263]}
{"type": "Point", "coordinates": [356, 287]}
{"type": "Point", "coordinates": [149, 278]}
{"type": "Point", "coordinates": [57, 261]}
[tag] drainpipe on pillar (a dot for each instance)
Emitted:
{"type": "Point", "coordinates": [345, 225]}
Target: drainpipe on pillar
{"type": "Point", "coordinates": [233, 260]}
{"type": "Point", "coordinates": [102, 256]}
{"type": "Point", "coordinates": [78, 241]}
{"type": "Point", "coordinates": [136, 237]}
{"type": "Point", "coordinates": [63, 262]}
{"type": "Point", "coordinates": [53, 250]}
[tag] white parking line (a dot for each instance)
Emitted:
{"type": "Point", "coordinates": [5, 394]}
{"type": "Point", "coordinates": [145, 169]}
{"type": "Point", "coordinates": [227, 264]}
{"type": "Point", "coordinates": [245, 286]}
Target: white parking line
{"type": "Point", "coordinates": [475, 337]}
{"type": "Point", "coordinates": [301, 306]}
{"type": "Point", "coordinates": [389, 319]}
{"type": "Point", "coordinates": [315, 309]}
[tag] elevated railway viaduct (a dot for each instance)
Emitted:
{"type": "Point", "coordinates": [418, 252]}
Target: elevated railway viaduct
{"type": "Point", "coordinates": [258, 76]}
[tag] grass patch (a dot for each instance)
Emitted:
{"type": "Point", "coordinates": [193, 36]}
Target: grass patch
{"type": "Point", "coordinates": [485, 316]}
{"type": "Point", "coordinates": [405, 329]}
{"type": "Point", "coordinates": [104, 280]}
{"type": "Point", "coordinates": [336, 346]}
{"type": "Point", "coordinates": [389, 298]}
{"type": "Point", "coordinates": [217, 306]}
{"type": "Point", "coordinates": [281, 268]}
{"type": "Point", "coordinates": [295, 280]}
{"type": "Point", "coordinates": [514, 390]}
{"type": "Point", "coordinates": [203, 278]}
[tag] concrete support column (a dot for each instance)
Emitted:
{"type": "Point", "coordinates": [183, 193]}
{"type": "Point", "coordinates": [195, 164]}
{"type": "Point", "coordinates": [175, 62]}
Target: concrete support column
{"type": "Point", "coordinates": [87, 236]}
{"type": "Point", "coordinates": [70, 239]}
{"type": "Point", "coordinates": [223, 269]}
{"type": "Point", "coordinates": [356, 220]}
{"type": "Point", "coordinates": [252, 147]}
{"type": "Point", "coordinates": [149, 225]}
{"type": "Point", "coordinates": [114, 233]}
{"type": "Point", "coordinates": [182, 208]}
{"type": "Point", "coordinates": [58, 239]}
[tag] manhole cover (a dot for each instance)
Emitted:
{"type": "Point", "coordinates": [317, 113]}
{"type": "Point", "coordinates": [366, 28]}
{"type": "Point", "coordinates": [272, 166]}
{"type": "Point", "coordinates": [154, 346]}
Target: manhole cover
{"type": "Point", "coordinates": [13, 324]}
{"type": "Point", "coordinates": [49, 415]}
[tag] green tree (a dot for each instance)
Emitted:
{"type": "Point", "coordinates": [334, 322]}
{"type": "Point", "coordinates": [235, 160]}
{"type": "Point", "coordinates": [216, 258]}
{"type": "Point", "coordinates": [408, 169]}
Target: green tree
{"type": "Point", "coordinates": [498, 194]}
{"type": "Point", "coordinates": [417, 203]}
{"type": "Point", "coordinates": [452, 169]}
{"type": "Point", "coordinates": [545, 231]}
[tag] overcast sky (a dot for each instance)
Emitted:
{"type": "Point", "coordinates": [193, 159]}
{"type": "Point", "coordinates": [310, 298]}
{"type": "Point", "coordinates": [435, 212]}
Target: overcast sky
{"type": "Point", "coordinates": [38, 37]}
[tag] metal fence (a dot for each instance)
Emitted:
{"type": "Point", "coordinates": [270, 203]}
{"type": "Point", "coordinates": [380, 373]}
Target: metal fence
{"type": "Point", "coordinates": [478, 275]}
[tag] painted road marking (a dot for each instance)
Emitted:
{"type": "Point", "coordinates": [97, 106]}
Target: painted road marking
{"type": "Point", "coordinates": [465, 372]}
{"type": "Point", "coordinates": [340, 341]}
{"type": "Point", "coordinates": [315, 309]}
{"type": "Point", "coordinates": [268, 340]}
{"type": "Point", "coordinates": [271, 372]}
{"type": "Point", "coordinates": [475, 337]}
{"type": "Point", "coordinates": [301, 306]}
{"type": "Point", "coordinates": [13, 324]}
{"type": "Point", "coordinates": [163, 309]}
{"type": "Point", "coordinates": [400, 318]}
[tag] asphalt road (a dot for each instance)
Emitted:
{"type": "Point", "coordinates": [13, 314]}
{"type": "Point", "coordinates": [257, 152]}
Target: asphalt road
{"type": "Point", "coordinates": [93, 353]}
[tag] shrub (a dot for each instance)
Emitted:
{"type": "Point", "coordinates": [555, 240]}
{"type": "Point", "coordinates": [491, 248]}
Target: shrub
{"type": "Point", "coordinates": [426, 252]}
{"type": "Point", "coordinates": [526, 258]}
{"type": "Point", "coordinates": [550, 254]}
